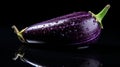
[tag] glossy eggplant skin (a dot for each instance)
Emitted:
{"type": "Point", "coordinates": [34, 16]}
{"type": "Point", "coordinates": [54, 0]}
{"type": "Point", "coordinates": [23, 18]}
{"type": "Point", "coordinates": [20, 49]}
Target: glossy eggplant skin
{"type": "Point", "coordinates": [74, 28]}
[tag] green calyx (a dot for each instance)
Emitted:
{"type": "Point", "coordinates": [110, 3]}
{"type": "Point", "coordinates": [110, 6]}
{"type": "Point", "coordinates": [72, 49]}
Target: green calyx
{"type": "Point", "coordinates": [101, 14]}
{"type": "Point", "coordinates": [19, 33]}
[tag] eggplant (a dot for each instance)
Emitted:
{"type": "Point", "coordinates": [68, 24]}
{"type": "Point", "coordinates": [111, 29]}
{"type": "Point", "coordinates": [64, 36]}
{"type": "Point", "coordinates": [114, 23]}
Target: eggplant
{"type": "Point", "coordinates": [75, 28]}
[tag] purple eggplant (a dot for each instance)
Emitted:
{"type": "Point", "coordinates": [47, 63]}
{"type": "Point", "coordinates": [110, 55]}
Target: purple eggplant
{"type": "Point", "coordinates": [74, 28]}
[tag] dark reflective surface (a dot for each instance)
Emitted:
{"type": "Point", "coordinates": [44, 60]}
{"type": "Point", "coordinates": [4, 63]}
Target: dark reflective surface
{"type": "Point", "coordinates": [59, 57]}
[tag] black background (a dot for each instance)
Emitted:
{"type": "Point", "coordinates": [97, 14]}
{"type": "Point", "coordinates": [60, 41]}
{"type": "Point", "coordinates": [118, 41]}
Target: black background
{"type": "Point", "coordinates": [23, 14]}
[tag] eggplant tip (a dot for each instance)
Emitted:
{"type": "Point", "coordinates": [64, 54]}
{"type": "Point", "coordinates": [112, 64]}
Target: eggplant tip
{"type": "Point", "coordinates": [19, 33]}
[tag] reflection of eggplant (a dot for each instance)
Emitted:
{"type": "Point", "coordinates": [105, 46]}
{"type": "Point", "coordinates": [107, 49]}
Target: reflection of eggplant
{"type": "Point", "coordinates": [49, 58]}
{"type": "Point", "coordinates": [78, 27]}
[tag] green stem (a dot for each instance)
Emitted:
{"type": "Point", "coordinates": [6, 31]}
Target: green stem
{"type": "Point", "coordinates": [101, 14]}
